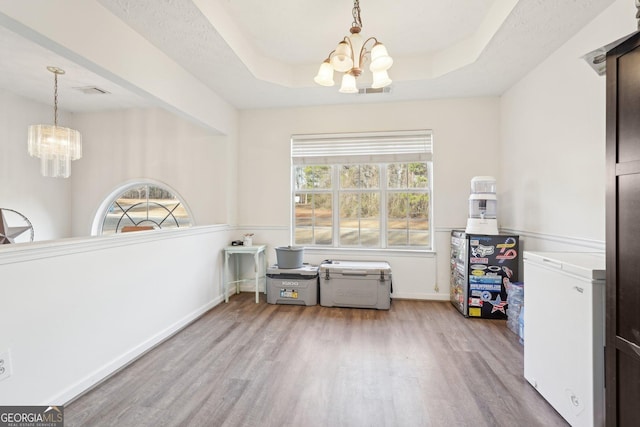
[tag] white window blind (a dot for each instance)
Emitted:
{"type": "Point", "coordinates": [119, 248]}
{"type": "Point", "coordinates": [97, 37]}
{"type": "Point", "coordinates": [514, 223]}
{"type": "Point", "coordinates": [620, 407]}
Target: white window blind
{"type": "Point", "coordinates": [369, 147]}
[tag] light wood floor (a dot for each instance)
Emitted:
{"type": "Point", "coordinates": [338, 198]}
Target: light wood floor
{"type": "Point", "coordinates": [245, 364]}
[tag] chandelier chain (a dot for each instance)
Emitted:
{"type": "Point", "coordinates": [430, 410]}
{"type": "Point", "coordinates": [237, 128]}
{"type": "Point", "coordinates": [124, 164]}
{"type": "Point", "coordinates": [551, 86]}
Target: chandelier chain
{"type": "Point", "coordinates": [55, 99]}
{"type": "Point", "coordinates": [357, 20]}
{"type": "Point", "coordinates": [638, 13]}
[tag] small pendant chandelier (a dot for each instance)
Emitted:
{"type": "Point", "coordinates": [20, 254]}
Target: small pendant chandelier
{"type": "Point", "coordinates": [56, 146]}
{"type": "Point", "coordinates": [349, 58]}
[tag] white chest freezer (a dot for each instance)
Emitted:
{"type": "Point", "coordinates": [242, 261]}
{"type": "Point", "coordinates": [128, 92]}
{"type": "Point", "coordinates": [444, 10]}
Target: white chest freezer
{"type": "Point", "coordinates": [564, 323]}
{"type": "Point", "coordinates": [359, 284]}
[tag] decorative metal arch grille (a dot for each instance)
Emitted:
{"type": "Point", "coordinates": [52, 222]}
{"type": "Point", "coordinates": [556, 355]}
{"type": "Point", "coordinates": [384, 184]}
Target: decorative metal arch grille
{"type": "Point", "coordinates": [145, 207]}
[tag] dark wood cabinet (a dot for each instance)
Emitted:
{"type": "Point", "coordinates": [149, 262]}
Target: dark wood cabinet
{"type": "Point", "coordinates": [623, 235]}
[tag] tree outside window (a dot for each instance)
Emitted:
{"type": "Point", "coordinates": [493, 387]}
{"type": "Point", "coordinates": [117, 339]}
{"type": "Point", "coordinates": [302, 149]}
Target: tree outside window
{"type": "Point", "coordinates": [362, 205]}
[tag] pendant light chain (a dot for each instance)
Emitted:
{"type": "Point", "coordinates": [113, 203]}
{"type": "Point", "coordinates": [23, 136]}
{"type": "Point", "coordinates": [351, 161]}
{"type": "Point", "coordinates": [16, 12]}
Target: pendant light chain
{"type": "Point", "coordinates": [357, 21]}
{"type": "Point", "coordinates": [638, 13]}
{"type": "Point", "coordinates": [55, 99]}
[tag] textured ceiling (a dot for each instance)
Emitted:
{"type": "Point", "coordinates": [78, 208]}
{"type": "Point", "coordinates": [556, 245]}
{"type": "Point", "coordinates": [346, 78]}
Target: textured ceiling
{"type": "Point", "coordinates": [305, 31]}
{"type": "Point", "coordinates": [298, 35]}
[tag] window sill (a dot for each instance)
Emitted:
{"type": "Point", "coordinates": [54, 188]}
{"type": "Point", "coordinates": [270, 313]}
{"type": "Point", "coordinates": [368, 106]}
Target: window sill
{"type": "Point", "coordinates": [315, 250]}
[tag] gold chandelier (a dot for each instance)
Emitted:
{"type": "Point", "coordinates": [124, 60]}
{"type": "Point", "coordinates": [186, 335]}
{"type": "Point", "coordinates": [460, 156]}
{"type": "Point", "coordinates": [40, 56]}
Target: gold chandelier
{"type": "Point", "coordinates": [56, 146]}
{"type": "Point", "coordinates": [349, 57]}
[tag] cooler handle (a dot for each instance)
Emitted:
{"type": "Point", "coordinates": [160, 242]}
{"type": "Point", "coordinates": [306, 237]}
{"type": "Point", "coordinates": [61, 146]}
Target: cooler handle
{"type": "Point", "coordinates": [354, 272]}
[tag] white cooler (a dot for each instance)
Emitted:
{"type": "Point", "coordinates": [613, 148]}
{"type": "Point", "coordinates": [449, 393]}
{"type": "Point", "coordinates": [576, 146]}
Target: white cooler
{"type": "Point", "coordinates": [298, 286]}
{"type": "Point", "coordinates": [359, 284]}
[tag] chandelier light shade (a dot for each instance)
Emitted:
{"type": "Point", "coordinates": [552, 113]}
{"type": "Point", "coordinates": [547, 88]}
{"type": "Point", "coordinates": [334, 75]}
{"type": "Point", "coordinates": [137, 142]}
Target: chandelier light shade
{"type": "Point", "coordinates": [54, 145]}
{"type": "Point", "coordinates": [348, 84]}
{"type": "Point", "coordinates": [380, 79]}
{"type": "Point", "coordinates": [380, 59]}
{"type": "Point", "coordinates": [325, 74]}
{"type": "Point", "coordinates": [351, 54]}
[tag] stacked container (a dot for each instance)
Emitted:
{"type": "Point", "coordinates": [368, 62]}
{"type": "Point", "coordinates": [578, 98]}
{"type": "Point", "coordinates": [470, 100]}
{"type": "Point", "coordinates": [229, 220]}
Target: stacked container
{"type": "Point", "coordinates": [515, 304]}
{"type": "Point", "coordinates": [289, 256]}
{"type": "Point", "coordinates": [290, 281]}
{"type": "Point", "coordinates": [297, 286]}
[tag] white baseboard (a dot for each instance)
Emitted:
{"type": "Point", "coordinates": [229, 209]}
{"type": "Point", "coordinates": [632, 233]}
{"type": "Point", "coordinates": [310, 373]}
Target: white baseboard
{"type": "Point", "coordinates": [74, 391]}
{"type": "Point", "coordinates": [399, 295]}
{"type": "Point", "coordinates": [421, 296]}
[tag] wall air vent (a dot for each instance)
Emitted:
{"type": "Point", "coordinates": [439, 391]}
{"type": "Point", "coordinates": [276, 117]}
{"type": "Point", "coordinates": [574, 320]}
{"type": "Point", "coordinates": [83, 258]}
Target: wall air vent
{"type": "Point", "coordinates": [92, 90]}
{"type": "Point", "coordinates": [370, 90]}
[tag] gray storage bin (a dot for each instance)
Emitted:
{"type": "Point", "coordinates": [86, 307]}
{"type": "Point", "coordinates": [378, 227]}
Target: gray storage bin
{"type": "Point", "coordinates": [359, 284]}
{"type": "Point", "coordinates": [289, 256]}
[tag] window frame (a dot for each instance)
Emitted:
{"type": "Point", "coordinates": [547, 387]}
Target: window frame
{"type": "Point", "coordinates": [378, 147]}
{"type": "Point", "coordinates": [103, 210]}
{"type": "Point", "coordinates": [383, 190]}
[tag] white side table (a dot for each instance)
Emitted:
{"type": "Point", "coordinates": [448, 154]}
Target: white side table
{"type": "Point", "coordinates": [254, 250]}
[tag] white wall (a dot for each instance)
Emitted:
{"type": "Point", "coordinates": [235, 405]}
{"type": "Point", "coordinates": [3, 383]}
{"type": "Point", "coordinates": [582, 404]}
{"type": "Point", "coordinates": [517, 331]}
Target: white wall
{"type": "Point", "coordinates": [44, 201]}
{"type": "Point", "coordinates": [124, 145]}
{"type": "Point", "coordinates": [466, 141]}
{"type": "Point", "coordinates": [553, 143]}
{"type": "Point", "coordinates": [87, 33]}
{"type": "Point", "coordinates": [118, 146]}
{"type": "Point", "coordinates": [74, 311]}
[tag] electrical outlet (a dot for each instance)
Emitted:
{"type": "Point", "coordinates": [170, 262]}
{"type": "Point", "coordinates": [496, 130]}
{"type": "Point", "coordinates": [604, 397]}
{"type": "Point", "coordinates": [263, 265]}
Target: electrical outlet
{"type": "Point", "coordinates": [5, 365]}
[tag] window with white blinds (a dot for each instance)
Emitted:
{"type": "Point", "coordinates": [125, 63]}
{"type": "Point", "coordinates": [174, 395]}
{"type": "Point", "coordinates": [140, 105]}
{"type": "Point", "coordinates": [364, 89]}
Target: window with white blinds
{"type": "Point", "coordinates": [366, 190]}
{"type": "Point", "coordinates": [369, 147]}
